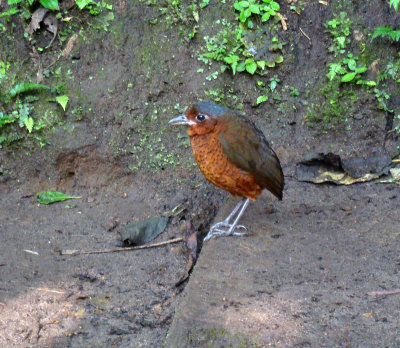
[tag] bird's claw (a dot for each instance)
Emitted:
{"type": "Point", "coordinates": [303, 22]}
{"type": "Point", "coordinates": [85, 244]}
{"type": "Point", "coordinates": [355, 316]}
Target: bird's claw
{"type": "Point", "coordinates": [216, 231]}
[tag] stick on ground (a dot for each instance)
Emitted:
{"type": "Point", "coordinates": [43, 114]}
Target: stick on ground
{"type": "Point", "coordinates": [147, 246]}
{"type": "Point", "coordinates": [384, 293]}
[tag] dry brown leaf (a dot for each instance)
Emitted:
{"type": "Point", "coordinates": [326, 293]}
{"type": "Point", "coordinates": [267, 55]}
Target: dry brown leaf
{"type": "Point", "coordinates": [283, 22]}
{"type": "Point", "coordinates": [37, 17]}
{"type": "Point", "coordinates": [70, 44]}
{"type": "Point", "coordinates": [51, 22]}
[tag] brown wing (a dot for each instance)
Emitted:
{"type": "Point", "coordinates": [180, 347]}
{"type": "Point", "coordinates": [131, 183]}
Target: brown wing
{"type": "Point", "coordinates": [246, 147]}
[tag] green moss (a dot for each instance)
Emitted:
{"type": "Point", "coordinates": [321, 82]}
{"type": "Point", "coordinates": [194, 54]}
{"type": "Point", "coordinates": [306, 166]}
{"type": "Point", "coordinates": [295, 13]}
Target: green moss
{"type": "Point", "coordinates": [335, 108]}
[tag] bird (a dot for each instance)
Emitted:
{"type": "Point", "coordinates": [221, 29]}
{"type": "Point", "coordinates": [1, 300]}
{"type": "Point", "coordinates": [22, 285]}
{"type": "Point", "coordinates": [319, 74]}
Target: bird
{"type": "Point", "coordinates": [233, 154]}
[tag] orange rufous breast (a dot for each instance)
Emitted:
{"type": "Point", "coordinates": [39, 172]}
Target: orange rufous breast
{"type": "Point", "coordinates": [214, 165]}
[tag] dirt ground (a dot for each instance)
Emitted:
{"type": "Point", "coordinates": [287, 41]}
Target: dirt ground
{"type": "Point", "coordinates": [130, 80]}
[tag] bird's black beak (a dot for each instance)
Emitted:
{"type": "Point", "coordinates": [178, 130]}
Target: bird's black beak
{"type": "Point", "coordinates": [181, 119]}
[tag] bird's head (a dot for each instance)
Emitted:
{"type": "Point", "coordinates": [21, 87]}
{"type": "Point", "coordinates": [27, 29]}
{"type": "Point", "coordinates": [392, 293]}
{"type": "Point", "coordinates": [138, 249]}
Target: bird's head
{"type": "Point", "coordinates": [200, 118]}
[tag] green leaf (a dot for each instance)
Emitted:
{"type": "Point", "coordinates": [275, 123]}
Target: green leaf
{"type": "Point", "coordinates": [251, 66]}
{"type": "Point", "coordinates": [28, 122]}
{"type": "Point", "coordinates": [395, 4]}
{"type": "Point", "coordinates": [261, 99]}
{"type": "Point", "coordinates": [233, 62]}
{"type": "Point", "coordinates": [48, 197]}
{"type": "Point", "coordinates": [394, 35]}
{"type": "Point", "coordinates": [254, 8]}
{"type": "Point", "coordinates": [381, 31]}
{"type": "Point", "coordinates": [4, 119]}
{"type": "Point", "coordinates": [63, 101]}
{"type": "Point", "coordinates": [231, 59]}
{"type": "Point", "coordinates": [241, 67]}
{"type": "Point", "coordinates": [265, 16]}
{"type": "Point", "coordinates": [273, 85]}
{"type": "Point", "coordinates": [352, 64]}
{"type": "Point", "coordinates": [334, 69]}
{"type": "Point", "coordinates": [361, 69]}
{"type": "Point", "coordinates": [244, 4]}
{"type": "Point", "coordinates": [11, 11]}
{"type": "Point", "coordinates": [275, 6]}
{"type": "Point", "coordinates": [83, 3]}
{"type": "Point", "coordinates": [237, 6]}
{"type": "Point", "coordinates": [244, 15]}
{"type": "Point", "coordinates": [50, 4]}
{"type": "Point", "coordinates": [13, 2]}
{"type": "Point", "coordinates": [27, 87]}
{"type": "Point", "coordinates": [367, 83]}
{"type": "Point", "coordinates": [204, 3]}
{"type": "Point", "coordinates": [349, 77]}
{"type": "Point", "coordinates": [261, 64]}
{"type": "Point", "coordinates": [341, 41]}
{"type": "Point", "coordinates": [333, 23]}
{"type": "Point", "coordinates": [279, 59]}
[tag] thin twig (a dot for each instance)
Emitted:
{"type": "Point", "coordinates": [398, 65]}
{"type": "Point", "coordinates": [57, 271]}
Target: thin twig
{"type": "Point", "coordinates": [305, 35]}
{"type": "Point", "coordinates": [383, 293]}
{"type": "Point", "coordinates": [155, 245]}
{"type": "Point", "coordinates": [396, 160]}
{"type": "Point", "coordinates": [49, 290]}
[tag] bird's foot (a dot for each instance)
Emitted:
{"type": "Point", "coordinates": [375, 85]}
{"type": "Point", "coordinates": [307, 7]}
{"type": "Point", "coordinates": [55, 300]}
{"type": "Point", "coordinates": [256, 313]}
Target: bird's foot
{"type": "Point", "coordinates": [218, 230]}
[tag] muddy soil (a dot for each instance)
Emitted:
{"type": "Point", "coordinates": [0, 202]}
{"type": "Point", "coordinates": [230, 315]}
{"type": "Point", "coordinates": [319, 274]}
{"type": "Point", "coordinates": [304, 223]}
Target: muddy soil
{"type": "Point", "coordinates": [130, 80]}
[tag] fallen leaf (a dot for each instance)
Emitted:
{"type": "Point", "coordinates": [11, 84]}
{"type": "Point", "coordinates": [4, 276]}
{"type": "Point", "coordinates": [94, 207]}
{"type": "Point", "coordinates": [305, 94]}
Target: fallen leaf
{"type": "Point", "coordinates": [68, 47]}
{"type": "Point", "coordinates": [368, 315]}
{"type": "Point", "coordinates": [324, 167]}
{"type": "Point", "coordinates": [283, 22]}
{"type": "Point", "coordinates": [51, 22]}
{"type": "Point", "coordinates": [37, 17]}
{"type": "Point", "coordinates": [48, 197]}
{"type": "Point", "coordinates": [143, 231]}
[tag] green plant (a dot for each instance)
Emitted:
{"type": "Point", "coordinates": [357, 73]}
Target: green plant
{"type": "Point", "coordinates": [392, 70]}
{"type": "Point", "coordinates": [382, 96]}
{"type": "Point", "coordinates": [216, 94]}
{"type": "Point", "coordinates": [185, 13]}
{"type": "Point", "coordinates": [297, 6]}
{"type": "Point", "coordinates": [17, 116]}
{"type": "Point", "coordinates": [7, 14]}
{"type": "Point", "coordinates": [348, 68]}
{"type": "Point", "coordinates": [395, 4]}
{"type": "Point", "coordinates": [261, 99]}
{"type": "Point", "coordinates": [230, 48]}
{"type": "Point", "coordinates": [273, 83]}
{"type": "Point", "coordinates": [339, 28]}
{"type": "Point", "coordinates": [265, 9]}
{"type": "Point", "coordinates": [294, 92]}
{"type": "Point", "coordinates": [4, 66]}
{"type": "Point", "coordinates": [386, 31]}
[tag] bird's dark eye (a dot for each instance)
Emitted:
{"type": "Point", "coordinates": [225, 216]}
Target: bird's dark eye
{"type": "Point", "coordinates": [200, 117]}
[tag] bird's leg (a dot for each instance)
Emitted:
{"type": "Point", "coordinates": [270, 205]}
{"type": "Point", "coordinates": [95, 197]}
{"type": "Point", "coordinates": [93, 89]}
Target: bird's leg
{"type": "Point", "coordinates": [216, 229]}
